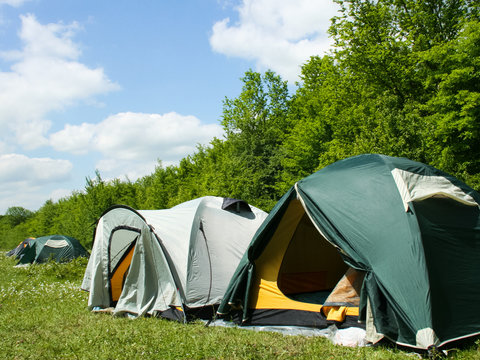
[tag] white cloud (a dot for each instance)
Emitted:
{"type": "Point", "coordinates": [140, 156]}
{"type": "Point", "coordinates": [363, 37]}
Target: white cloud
{"type": "Point", "coordinates": [19, 169]}
{"type": "Point", "coordinates": [120, 169]}
{"type": "Point", "coordinates": [45, 75]}
{"type": "Point", "coordinates": [277, 34]}
{"type": "Point", "coordinates": [23, 179]}
{"type": "Point", "coordinates": [131, 143]}
{"type": "Point", "coordinates": [14, 3]}
{"type": "Point", "coordinates": [76, 139]}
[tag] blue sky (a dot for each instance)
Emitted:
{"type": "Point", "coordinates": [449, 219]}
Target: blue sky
{"type": "Point", "coordinates": [117, 85]}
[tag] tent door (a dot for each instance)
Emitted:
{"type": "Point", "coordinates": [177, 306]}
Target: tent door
{"type": "Point", "coordinates": [121, 248]}
{"type": "Point", "coordinates": [311, 267]}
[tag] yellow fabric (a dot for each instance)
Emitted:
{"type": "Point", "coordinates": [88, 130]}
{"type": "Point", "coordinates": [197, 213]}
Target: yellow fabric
{"type": "Point", "coordinates": [268, 264]}
{"type": "Point", "coordinates": [270, 297]}
{"type": "Point", "coordinates": [274, 266]}
{"type": "Point", "coordinates": [311, 259]}
{"type": "Point", "coordinates": [335, 313]}
{"type": "Point", "coordinates": [338, 313]}
{"type": "Point", "coordinates": [116, 282]}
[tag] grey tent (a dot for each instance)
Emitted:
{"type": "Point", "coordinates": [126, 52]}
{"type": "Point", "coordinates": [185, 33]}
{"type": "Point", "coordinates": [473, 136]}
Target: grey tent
{"type": "Point", "coordinates": [168, 262]}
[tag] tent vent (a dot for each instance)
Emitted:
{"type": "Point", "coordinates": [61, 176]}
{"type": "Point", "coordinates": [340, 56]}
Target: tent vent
{"type": "Point", "coordinates": [235, 205]}
{"type": "Point", "coordinates": [56, 244]}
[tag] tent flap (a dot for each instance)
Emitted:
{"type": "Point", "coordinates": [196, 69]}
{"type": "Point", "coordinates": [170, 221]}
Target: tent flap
{"type": "Point", "coordinates": [416, 187]}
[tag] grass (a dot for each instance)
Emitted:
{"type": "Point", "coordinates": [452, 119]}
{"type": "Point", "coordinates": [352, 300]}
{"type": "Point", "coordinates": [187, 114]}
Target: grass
{"type": "Point", "coordinates": [44, 315]}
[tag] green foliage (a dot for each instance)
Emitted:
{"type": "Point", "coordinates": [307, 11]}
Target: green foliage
{"type": "Point", "coordinates": [452, 74]}
{"type": "Point", "coordinates": [256, 123]}
{"type": "Point", "coordinates": [54, 271]}
{"type": "Point", "coordinates": [17, 215]}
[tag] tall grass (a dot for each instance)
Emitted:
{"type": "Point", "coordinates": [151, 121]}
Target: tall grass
{"type": "Point", "coordinates": [44, 315]}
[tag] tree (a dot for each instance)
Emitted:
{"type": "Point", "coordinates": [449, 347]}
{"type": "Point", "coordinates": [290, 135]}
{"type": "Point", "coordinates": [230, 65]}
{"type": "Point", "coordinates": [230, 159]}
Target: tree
{"type": "Point", "coordinates": [256, 124]}
{"type": "Point", "coordinates": [452, 75]}
{"type": "Point", "coordinates": [377, 39]}
{"type": "Point", "coordinates": [402, 80]}
{"type": "Point", "coordinates": [315, 115]}
{"type": "Point", "coordinates": [17, 215]}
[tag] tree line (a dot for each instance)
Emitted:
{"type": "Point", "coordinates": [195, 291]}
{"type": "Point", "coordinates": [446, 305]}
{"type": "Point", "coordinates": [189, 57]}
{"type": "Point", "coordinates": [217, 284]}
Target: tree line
{"type": "Point", "coordinates": [402, 79]}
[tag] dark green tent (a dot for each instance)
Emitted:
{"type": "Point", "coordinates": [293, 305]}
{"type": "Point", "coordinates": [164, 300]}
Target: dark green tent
{"type": "Point", "coordinates": [56, 247]}
{"type": "Point", "coordinates": [19, 247]}
{"type": "Point", "coordinates": [410, 230]}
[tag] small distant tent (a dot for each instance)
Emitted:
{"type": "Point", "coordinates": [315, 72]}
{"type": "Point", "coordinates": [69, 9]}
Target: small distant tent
{"type": "Point", "coordinates": [23, 244]}
{"type": "Point", "coordinates": [53, 247]}
{"type": "Point", "coordinates": [171, 263]}
{"type": "Point", "coordinates": [388, 241]}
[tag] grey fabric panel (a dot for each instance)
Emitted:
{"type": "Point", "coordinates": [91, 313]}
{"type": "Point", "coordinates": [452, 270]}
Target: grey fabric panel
{"type": "Point", "coordinates": [219, 240]}
{"type": "Point", "coordinates": [121, 239]}
{"type": "Point", "coordinates": [94, 279]}
{"type": "Point", "coordinates": [173, 227]}
{"type": "Point", "coordinates": [149, 285]}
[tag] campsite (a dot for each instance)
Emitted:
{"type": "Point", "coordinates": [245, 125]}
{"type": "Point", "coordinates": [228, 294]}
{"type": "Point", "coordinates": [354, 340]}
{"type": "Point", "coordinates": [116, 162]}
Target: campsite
{"type": "Point", "coordinates": [44, 305]}
{"type": "Point", "coordinates": [335, 216]}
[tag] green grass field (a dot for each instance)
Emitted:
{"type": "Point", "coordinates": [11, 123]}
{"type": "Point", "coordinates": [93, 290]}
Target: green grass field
{"type": "Point", "coordinates": [44, 315]}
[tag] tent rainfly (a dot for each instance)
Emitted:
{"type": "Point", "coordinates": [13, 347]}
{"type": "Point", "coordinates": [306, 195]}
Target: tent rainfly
{"type": "Point", "coordinates": [170, 263]}
{"type": "Point", "coordinates": [389, 242]}
{"type": "Point", "coordinates": [57, 247]}
{"type": "Point", "coordinates": [19, 247]}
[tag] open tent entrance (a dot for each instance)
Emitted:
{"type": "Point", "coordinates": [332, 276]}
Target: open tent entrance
{"type": "Point", "coordinates": [300, 271]}
{"type": "Point", "coordinates": [311, 266]}
{"type": "Point", "coordinates": [121, 247]}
